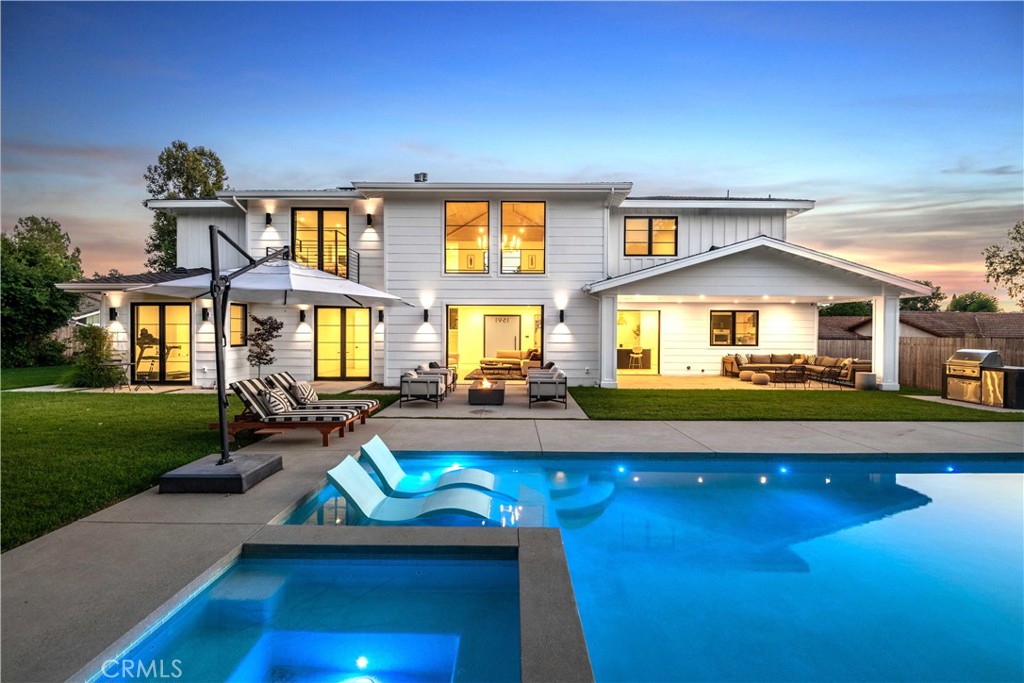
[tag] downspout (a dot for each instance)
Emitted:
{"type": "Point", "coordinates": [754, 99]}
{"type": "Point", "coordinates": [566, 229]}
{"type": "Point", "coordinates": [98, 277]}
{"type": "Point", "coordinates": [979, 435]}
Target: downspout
{"type": "Point", "coordinates": [238, 205]}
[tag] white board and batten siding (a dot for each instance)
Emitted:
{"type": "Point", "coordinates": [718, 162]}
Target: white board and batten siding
{"type": "Point", "coordinates": [414, 270]}
{"type": "Point", "coordinates": [194, 236]}
{"type": "Point", "coordinates": [686, 333]}
{"type": "Point", "coordinates": [698, 231]}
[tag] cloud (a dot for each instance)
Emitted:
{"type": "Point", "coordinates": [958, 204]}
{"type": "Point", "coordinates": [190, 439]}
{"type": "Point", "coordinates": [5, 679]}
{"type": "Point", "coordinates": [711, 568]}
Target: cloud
{"type": "Point", "coordinates": [965, 168]}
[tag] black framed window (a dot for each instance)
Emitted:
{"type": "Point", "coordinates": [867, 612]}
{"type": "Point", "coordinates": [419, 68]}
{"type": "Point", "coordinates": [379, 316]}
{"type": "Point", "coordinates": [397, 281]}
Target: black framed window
{"type": "Point", "coordinates": [522, 237]}
{"type": "Point", "coordinates": [651, 236]}
{"type": "Point", "coordinates": [320, 239]}
{"type": "Point", "coordinates": [238, 315]}
{"type": "Point", "coordinates": [466, 237]}
{"type": "Point", "coordinates": [734, 328]}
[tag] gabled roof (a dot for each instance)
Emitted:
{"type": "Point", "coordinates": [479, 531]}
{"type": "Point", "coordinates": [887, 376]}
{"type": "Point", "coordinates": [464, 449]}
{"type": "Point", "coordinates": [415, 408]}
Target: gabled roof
{"type": "Point", "coordinates": [616, 191]}
{"type": "Point", "coordinates": [127, 282]}
{"type": "Point", "coordinates": [937, 323]}
{"type": "Point", "coordinates": [908, 286]}
{"type": "Point", "coordinates": [792, 207]}
{"type": "Point", "coordinates": [841, 326]}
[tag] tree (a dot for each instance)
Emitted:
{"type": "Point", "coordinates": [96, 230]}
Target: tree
{"type": "Point", "coordinates": [1005, 265]}
{"type": "Point", "coordinates": [924, 303]}
{"type": "Point", "coordinates": [35, 257]}
{"type": "Point", "coordinates": [974, 302]}
{"type": "Point", "coordinates": [850, 308]}
{"type": "Point", "coordinates": [180, 172]}
{"type": "Point", "coordinates": [91, 367]}
{"type": "Point", "coordinates": [113, 272]}
{"type": "Point", "coordinates": [261, 351]}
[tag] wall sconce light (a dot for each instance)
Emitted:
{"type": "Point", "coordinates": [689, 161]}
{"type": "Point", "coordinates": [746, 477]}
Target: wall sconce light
{"type": "Point", "coordinates": [112, 314]}
{"type": "Point", "coordinates": [380, 315]}
{"type": "Point", "coordinates": [561, 315]}
{"type": "Point", "coordinates": [302, 315]}
{"type": "Point", "coordinates": [369, 219]}
{"type": "Point", "coordinates": [270, 220]}
{"type": "Point", "coordinates": [426, 315]}
{"type": "Point", "coordinates": [206, 315]}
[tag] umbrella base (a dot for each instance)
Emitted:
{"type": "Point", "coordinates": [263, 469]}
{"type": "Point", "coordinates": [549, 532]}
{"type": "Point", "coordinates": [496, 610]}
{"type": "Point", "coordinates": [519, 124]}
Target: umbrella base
{"type": "Point", "coordinates": [206, 476]}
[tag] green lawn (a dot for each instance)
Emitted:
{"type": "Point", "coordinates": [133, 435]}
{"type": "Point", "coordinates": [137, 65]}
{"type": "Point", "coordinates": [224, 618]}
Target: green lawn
{"type": "Point", "coordinates": [19, 378]}
{"type": "Point", "coordinates": [67, 455]}
{"type": "Point", "coordinates": [793, 404]}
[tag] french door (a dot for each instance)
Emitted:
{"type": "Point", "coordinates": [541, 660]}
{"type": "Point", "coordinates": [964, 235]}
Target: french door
{"type": "Point", "coordinates": [343, 343]}
{"type": "Point", "coordinates": [162, 343]}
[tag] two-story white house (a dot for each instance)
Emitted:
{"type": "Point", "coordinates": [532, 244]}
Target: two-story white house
{"type": "Point", "coordinates": [585, 274]}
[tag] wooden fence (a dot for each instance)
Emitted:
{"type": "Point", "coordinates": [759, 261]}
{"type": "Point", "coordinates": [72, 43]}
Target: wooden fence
{"type": "Point", "coordinates": [921, 358]}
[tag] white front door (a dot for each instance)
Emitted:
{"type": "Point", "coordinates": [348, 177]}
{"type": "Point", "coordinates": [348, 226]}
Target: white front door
{"type": "Point", "coordinates": [500, 332]}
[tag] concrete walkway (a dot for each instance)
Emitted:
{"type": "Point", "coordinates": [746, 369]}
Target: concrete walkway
{"type": "Point", "coordinates": [69, 595]}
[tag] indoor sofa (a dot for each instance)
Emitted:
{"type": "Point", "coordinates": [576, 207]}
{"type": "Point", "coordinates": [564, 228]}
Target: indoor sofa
{"type": "Point", "coordinates": [513, 359]}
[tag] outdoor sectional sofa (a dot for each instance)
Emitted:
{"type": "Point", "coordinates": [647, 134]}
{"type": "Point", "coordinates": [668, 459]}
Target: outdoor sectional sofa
{"type": "Point", "coordinates": [820, 368]}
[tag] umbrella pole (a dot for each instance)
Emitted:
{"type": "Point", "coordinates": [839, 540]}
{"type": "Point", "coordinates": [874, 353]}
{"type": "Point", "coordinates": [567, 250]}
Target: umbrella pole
{"type": "Point", "coordinates": [217, 293]}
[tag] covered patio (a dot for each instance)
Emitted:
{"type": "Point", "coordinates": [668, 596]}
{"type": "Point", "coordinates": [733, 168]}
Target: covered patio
{"type": "Point", "coordinates": [756, 296]}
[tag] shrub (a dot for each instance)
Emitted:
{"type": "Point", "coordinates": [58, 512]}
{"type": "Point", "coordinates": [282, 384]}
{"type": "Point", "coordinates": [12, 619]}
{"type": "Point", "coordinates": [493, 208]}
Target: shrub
{"type": "Point", "coordinates": [51, 351]}
{"type": "Point", "coordinates": [89, 369]}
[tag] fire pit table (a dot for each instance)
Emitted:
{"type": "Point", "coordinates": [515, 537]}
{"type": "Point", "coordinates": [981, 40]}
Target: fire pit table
{"type": "Point", "coordinates": [481, 394]}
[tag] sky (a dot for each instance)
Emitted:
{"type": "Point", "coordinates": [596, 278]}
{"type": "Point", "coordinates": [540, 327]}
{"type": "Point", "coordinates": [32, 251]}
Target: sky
{"type": "Point", "coordinates": [903, 121]}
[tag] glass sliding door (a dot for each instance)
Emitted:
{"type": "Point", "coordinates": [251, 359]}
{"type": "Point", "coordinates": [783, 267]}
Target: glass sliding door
{"type": "Point", "coordinates": [162, 343]}
{"type": "Point", "coordinates": [343, 343]}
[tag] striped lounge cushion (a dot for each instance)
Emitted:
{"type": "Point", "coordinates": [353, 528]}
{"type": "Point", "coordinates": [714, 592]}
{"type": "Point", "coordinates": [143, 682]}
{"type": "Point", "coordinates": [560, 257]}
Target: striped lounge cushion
{"type": "Point", "coordinates": [315, 416]}
{"type": "Point", "coordinates": [277, 400]}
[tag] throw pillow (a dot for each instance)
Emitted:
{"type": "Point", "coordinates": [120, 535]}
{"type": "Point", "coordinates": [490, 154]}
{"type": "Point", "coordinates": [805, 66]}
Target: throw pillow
{"type": "Point", "coordinates": [434, 365]}
{"type": "Point", "coordinates": [422, 368]}
{"type": "Point", "coordinates": [741, 358]}
{"type": "Point", "coordinates": [411, 374]}
{"type": "Point", "coordinates": [275, 401]}
{"type": "Point", "coordinates": [304, 393]}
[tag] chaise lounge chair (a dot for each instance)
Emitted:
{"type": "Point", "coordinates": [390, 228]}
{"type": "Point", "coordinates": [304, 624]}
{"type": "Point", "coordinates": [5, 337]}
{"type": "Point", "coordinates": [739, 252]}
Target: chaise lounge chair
{"type": "Point", "coordinates": [258, 415]}
{"type": "Point", "coordinates": [287, 382]}
{"type": "Point", "coordinates": [396, 482]}
{"type": "Point", "coordinates": [363, 496]}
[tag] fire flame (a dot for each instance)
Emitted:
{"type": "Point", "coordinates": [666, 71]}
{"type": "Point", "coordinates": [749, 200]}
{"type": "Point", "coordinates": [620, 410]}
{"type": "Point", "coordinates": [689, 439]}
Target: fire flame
{"type": "Point", "coordinates": [485, 384]}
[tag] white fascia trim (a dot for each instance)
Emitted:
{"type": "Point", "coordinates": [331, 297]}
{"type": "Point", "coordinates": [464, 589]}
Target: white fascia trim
{"type": "Point", "coordinates": [292, 194]}
{"type": "Point", "coordinates": [792, 207]}
{"type": "Point", "coordinates": [908, 286]}
{"type": "Point", "coordinates": [164, 204]}
{"type": "Point", "coordinates": [618, 191]}
{"type": "Point", "coordinates": [102, 286]}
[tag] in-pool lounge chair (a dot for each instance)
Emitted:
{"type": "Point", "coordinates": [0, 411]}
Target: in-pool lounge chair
{"type": "Point", "coordinates": [366, 498]}
{"type": "Point", "coordinates": [258, 415]}
{"type": "Point", "coordinates": [396, 482]}
{"type": "Point", "coordinates": [287, 382]}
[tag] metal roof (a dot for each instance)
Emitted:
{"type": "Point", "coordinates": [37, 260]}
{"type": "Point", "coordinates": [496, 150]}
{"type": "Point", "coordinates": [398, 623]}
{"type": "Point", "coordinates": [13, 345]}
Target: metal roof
{"type": "Point", "coordinates": [107, 282]}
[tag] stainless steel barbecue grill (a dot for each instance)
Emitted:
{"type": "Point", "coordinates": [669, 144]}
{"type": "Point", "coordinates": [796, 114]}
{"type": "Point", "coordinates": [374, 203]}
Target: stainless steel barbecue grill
{"type": "Point", "coordinates": [979, 376]}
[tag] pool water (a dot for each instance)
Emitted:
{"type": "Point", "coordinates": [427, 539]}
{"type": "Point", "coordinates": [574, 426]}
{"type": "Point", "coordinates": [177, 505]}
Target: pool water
{"type": "Point", "coordinates": [768, 571]}
{"type": "Point", "coordinates": [336, 620]}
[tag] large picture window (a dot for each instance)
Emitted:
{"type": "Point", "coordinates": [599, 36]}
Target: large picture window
{"type": "Point", "coordinates": [239, 324]}
{"type": "Point", "coordinates": [651, 236]}
{"type": "Point", "coordinates": [466, 237]}
{"type": "Point", "coordinates": [734, 328]}
{"type": "Point", "coordinates": [522, 237]}
{"type": "Point", "coordinates": [320, 239]}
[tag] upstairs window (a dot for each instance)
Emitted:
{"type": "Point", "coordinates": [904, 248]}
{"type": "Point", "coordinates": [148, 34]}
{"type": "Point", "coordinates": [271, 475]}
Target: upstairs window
{"type": "Point", "coordinates": [734, 328]}
{"type": "Point", "coordinates": [522, 237]}
{"type": "Point", "coordinates": [466, 236]}
{"type": "Point", "coordinates": [238, 324]}
{"type": "Point", "coordinates": [320, 239]}
{"type": "Point", "coordinates": [651, 236]}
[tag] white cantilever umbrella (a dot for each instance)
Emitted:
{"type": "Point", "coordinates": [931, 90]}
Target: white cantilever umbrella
{"type": "Point", "coordinates": [281, 282]}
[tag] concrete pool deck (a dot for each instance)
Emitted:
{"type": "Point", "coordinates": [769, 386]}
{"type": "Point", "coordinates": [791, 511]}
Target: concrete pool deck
{"type": "Point", "coordinates": [72, 593]}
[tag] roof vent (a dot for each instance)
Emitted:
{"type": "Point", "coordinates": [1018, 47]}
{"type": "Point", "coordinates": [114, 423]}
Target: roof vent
{"type": "Point", "coordinates": [419, 178]}
{"type": "Point", "coordinates": [180, 269]}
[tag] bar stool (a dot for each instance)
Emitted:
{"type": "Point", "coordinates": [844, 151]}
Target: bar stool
{"type": "Point", "coordinates": [636, 358]}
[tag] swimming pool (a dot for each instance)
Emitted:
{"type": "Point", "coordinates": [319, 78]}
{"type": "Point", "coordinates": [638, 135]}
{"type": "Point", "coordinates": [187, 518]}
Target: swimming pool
{"type": "Point", "coordinates": [338, 619]}
{"type": "Point", "coordinates": [775, 571]}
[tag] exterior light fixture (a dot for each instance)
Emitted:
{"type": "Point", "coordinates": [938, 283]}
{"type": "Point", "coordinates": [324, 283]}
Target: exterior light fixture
{"type": "Point", "coordinates": [369, 219]}
{"type": "Point", "coordinates": [426, 315]}
{"type": "Point", "coordinates": [112, 314]}
{"type": "Point", "coordinates": [302, 315]}
{"type": "Point", "coordinates": [270, 220]}
{"type": "Point", "coordinates": [206, 315]}
{"type": "Point", "coordinates": [380, 315]}
{"type": "Point", "coordinates": [561, 315]}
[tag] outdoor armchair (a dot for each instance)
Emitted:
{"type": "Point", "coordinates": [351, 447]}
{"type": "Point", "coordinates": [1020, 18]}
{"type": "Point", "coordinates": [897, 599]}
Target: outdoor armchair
{"type": "Point", "coordinates": [416, 387]}
{"type": "Point", "coordinates": [542, 387]}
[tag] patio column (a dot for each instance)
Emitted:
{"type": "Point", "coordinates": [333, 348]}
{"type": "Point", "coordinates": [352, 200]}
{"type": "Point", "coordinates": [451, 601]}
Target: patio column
{"type": "Point", "coordinates": [609, 316]}
{"type": "Point", "coordinates": [885, 341]}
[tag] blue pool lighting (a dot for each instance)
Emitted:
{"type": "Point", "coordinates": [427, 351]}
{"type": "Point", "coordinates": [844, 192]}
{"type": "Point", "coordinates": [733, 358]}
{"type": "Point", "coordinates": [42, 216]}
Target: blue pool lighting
{"type": "Point", "coordinates": [361, 662]}
{"type": "Point", "coordinates": [783, 469]}
{"type": "Point", "coordinates": [950, 468]}
{"type": "Point", "coordinates": [622, 469]}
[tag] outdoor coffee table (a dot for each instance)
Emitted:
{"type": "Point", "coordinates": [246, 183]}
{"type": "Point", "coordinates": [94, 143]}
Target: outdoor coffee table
{"type": "Point", "coordinates": [482, 396]}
